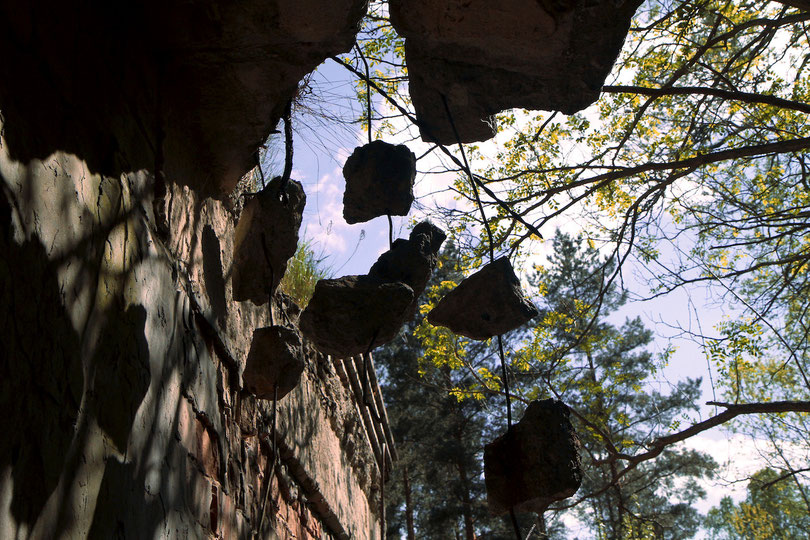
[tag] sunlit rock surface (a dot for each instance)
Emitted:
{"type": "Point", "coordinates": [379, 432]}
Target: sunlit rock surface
{"type": "Point", "coordinates": [484, 57]}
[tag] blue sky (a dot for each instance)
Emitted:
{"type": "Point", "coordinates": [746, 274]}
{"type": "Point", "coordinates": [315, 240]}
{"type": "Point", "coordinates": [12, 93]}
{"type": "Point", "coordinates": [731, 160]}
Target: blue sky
{"type": "Point", "coordinates": [323, 142]}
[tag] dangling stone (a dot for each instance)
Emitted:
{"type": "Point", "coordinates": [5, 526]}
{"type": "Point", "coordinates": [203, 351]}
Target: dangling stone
{"type": "Point", "coordinates": [266, 237]}
{"type": "Point", "coordinates": [276, 358]}
{"type": "Point", "coordinates": [411, 261]}
{"type": "Point", "coordinates": [535, 463]}
{"type": "Point", "coordinates": [352, 314]}
{"type": "Point", "coordinates": [488, 303]}
{"type": "Point", "coordinates": [379, 181]}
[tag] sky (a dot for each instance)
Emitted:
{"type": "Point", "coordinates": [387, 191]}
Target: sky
{"type": "Point", "coordinates": [323, 143]}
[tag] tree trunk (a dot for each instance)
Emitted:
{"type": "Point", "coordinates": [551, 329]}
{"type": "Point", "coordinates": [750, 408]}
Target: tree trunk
{"type": "Point", "coordinates": [408, 506]}
{"type": "Point", "coordinates": [469, 531]}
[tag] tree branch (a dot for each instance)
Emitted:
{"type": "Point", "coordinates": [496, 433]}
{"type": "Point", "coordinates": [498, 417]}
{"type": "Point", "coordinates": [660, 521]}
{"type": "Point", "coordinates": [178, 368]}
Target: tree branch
{"type": "Point", "coordinates": [745, 97]}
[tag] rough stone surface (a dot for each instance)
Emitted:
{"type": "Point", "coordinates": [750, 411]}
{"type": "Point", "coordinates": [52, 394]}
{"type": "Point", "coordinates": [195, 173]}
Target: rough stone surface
{"type": "Point", "coordinates": [121, 376]}
{"type": "Point", "coordinates": [354, 314]}
{"type": "Point", "coordinates": [275, 358]}
{"type": "Point", "coordinates": [485, 57]}
{"type": "Point", "coordinates": [266, 238]}
{"type": "Point", "coordinates": [488, 303]}
{"type": "Point", "coordinates": [535, 463]}
{"type": "Point", "coordinates": [379, 181]}
{"type": "Point", "coordinates": [209, 79]}
{"type": "Point", "coordinates": [411, 261]}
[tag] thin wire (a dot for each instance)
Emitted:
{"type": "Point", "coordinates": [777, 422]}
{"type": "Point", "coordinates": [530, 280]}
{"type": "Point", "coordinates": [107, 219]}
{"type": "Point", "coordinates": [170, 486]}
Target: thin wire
{"type": "Point", "coordinates": [288, 151]}
{"type": "Point", "coordinates": [368, 90]}
{"type": "Point", "coordinates": [390, 232]}
{"type": "Point", "coordinates": [505, 383]}
{"type": "Point", "coordinates": [472, 180]}
{"type": "Point", "coordinates": [274, 451]}
{"type": "Point", "coordinates": [468, 170]}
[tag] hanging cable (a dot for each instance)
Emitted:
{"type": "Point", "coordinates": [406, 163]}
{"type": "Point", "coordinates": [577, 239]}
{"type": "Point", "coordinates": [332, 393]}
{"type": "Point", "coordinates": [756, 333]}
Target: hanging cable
{"type": "Point", "coordinates": [491, 246]}
{"type": "Point", "coordinates": [288, 151]}
{"type": "Point", "coordinates": [269, 289]}
{"type": "Point", "coordinates": [272, 465]}
{"type": "Point", "coordinates": [368, 90]}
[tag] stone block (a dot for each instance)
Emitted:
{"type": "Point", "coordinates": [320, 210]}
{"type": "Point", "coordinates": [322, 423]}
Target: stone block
{"type": "Point", "coordinates": [266, 237]}
{"type": "Point", "coordinates": [379, 181]}
{"type": "Point", "coordinates": [488, 303]}
{"type": "Point", "coordinates": [535, 463]}
{"type": "Point", "coordinates": [276, 358]}
{"type": "Point", "coordinates": [484, 57]}
{"type": "Point", "coordinates": [353, 314]}
{"type": "Point", "coordinates": [411, 261]}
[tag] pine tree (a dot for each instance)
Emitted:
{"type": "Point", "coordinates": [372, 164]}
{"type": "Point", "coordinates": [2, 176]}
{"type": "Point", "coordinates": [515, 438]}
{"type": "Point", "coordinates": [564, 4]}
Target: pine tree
{"type": "Point", "coordinates": [773, 510]}
{"type": "Point", "coordinates": [603, 372]}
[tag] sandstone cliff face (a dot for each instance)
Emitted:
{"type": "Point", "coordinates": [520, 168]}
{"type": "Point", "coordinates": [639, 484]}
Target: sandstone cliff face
{"type": "Point", "coordinates": [196, 85]}
{"type": "Point", "coordinates": [122, 355]}
{"type": "Point", "coordinates": [123, 348]}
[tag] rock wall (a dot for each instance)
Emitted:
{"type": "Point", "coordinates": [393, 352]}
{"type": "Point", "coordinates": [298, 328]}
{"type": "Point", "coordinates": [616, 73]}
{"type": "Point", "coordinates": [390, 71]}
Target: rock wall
{"type": "Point", "coordinates": [120, 376]}
{"type": "Point", "coordinates": [193, 87]}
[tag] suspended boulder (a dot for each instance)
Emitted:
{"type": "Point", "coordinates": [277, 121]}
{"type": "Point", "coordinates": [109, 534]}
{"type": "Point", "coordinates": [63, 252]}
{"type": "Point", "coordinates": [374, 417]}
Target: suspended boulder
{"type": "Point", "coordinates": [266, 237]}
{"type": "Point", "coordinates": [476, 58]}
{"type": "Point", "coordinates": [411, 261]}
{"type": "Point", "coordinates": [352, 314]}
{"type": "Point", "coordinates": [535, 463]}
{"type": "Point", "coordinates": [379, 181]}
{"type": "Point", "coordinates": [276, 358]}
{"type": "Point", "coordinates": [488, 303]}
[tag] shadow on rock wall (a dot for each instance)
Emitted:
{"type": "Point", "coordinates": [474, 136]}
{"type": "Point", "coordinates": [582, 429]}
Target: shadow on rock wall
{"type": "Point", "coordinates": [213, 272]}
{"type": "Point", "coordinates": [41, 381]}
{"type": "Point", "coordinates": [42, 375]}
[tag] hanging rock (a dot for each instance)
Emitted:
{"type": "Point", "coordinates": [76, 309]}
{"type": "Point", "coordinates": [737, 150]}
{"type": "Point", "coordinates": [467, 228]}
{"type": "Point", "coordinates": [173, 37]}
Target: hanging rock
{"type": "Point", "coordinates": [411, 261]}
{"type": "Point", "coordinates": [485, 57]}
{"type": "Point", "coordinates": [349, 315]}
{"type": "Point", "coordinates": [488, 303]}
{"type": "Point", "coordinates": [276, 357]}
{"type": "Point", "coordinates": [265, 239]}
{"type": "Point", "coordinates": [535, 463]}
{"type": "Point", "coordinates": [379, 181]}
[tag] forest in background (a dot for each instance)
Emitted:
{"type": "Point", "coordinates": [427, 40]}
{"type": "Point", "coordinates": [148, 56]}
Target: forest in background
{"type": "Point", "coordinates": [692, 170]}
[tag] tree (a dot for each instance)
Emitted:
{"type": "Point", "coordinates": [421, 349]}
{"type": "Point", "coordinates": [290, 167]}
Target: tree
{"type": "Point", "coordinates": [437, 491]}
{"type": "Point", "coordinates": [772, 510]}
{"type": "Point", "coordinates": [694, 163]}
{"type": "Point", "coordinates": [600, 372]}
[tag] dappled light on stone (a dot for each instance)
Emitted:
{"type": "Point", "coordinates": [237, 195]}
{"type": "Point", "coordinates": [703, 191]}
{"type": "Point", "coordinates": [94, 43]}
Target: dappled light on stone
{"type": "Point", "coordinates": [276, 358]}
{"type": "Point", "coordinates": [353, 314]}
{"type": "Point", "coordinates": [535, 463]}
{"type": "Point", "coordinates": [488, 303]}
{"type": "Point", "coordinates": [379, 181]}
{"type": "Point", "coordinates": [266, 237]}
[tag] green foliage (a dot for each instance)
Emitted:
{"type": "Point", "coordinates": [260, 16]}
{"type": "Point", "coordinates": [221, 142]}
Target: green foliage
{"type": "Point", "coordinates": [695, 163]}
{"type": "Point", "coordinates": [603, 372]}
{"type": "Point", "coordinates": [774, 509]}
{"type": "Point", "coordinates": [304, 270]}
{"type": "Point", "coordinates": [439, 437]}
